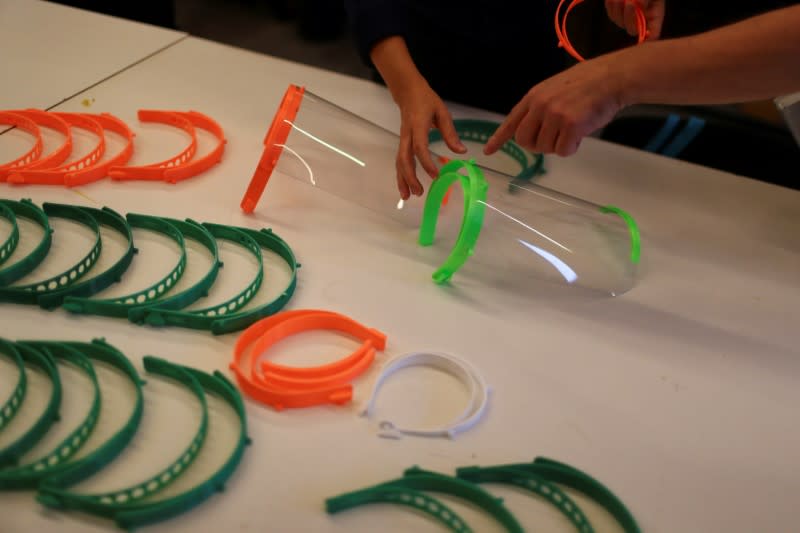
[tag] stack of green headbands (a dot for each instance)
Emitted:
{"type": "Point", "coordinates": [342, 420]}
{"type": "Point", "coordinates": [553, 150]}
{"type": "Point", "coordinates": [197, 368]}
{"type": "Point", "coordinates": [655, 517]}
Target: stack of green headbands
{"type": "Point", "coordinates": [542, 478]}
{"type": "Point", "coordinates": [156, 305]}
{"type": "Point", "coordinates": [53, 474]}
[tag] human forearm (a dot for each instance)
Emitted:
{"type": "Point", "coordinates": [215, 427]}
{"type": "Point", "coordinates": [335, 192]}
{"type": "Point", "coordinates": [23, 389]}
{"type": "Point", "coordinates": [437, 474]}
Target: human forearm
{"type": "Point", "coordinates": [754, 59]}
{"type": "Point", "coordinates": [392, 59]}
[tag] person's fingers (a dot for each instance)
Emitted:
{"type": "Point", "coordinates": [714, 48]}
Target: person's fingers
{"type": "Point", "coordinates": [546, 138]}
{"type": "Point", "coordinates": [402, 186]}
{"type": "Point", "coordinates": [445, 124]}
{"type": "Point", "coordinates": [527, 132]}
{"type": "Point", "coordinates": [419, 145]}
{"type": "Point", "coordinates": [630, 18]}
{"type": "Point", "coordinates": [405, 157]}
{"type": "Point", "coordinates": [567, 140]}
{"type": "Point", "coordinates": [506, 130]}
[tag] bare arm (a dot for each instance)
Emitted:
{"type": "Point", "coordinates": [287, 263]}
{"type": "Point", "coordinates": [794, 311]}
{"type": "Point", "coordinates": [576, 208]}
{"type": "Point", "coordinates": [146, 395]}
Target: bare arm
{"type": "Point", "coordinates": [754, 59]}
{"type": "Point", "coordinates": [420, 109]}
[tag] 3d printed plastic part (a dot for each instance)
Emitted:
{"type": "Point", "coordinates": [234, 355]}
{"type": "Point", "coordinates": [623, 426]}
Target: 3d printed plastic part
{"type": "Point", "coordinates": [99, 281]}
{"type": "Point", "coordinates": [53, 122]}
{"type": "Point", "coordinates": [193, 231]}
{"type": "Point", "coordinates": [296, 387]}
{"type": "Point", "coordinates": [10, 243]}
{"type": "Point", "coordinates": [12, 452]}
{"type": "Point", "coordinates": [100, 169]}
{"type": "Point", "coordinates": [399, 496]}
{"type": "Point", "coordinates": [56, 176]}
{"type": "Point", "coordinates": [532, 238]}
{"type": "Point", "coordinates": [14, 401]}
{"type": "Point", "coordinates": [478, 390]}
{"type": "Point", "coordinates": [415, 479]}
{"type": "Point", "coordinates": [157, 171]}
{"type": "Point", "coordinates": [109, 503]}
{"type": "Point", "coordinates": [29, 293]}
{"type": "Point", "coordinates": [99, 457]}
{"type": "Point", "coordinates": [563, 474]}
{"type": "Point", "coordinates": [535, 484]}
{"type": "Point", "coordinates": [28, 210]}
{"type": "Point", "coordinates": [54, 493]}
{"type": "Point", "coordinates": [334, 374]}
{"type": "Point", "coordinates": [229, 316]}
{"type": "Point", "coordinates": [475, 187]}
{"type": "Point", "coordinates": [202, 163]}
{"type": "Point", "coordinates": [28, 475]}
{"type": "Point", "coordinates": [121, 305]}
{"type": "Point", "coordinates": [561, 25]}
{"type": "Point", "coordinates": [28, 125]}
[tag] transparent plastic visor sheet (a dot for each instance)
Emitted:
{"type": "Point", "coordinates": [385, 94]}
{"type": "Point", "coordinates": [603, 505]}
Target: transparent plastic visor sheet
{"type": "Point", "coordinates": [517, 233]}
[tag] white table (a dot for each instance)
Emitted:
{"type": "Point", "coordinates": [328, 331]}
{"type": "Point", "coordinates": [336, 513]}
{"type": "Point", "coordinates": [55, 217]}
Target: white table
{"type": "Point", "coordinates": [680, 395]}
{"type": "Point", "coordinates": [51, 51]}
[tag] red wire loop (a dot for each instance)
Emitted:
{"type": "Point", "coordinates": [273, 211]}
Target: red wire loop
{"type": "Point", "coordinates": [561, 26]}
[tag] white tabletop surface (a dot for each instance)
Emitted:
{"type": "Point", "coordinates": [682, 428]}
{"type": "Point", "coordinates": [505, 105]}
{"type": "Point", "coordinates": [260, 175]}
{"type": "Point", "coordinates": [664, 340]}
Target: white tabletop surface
{"type": "Point", "coordinates": [680, 395]}
{"type": "Point", "coordinates": [51, 51]}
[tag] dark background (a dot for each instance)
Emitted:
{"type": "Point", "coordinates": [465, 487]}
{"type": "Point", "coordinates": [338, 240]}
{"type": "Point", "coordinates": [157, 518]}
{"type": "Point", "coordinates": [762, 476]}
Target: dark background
{"type": "Point", "coordinates": [749, 139]}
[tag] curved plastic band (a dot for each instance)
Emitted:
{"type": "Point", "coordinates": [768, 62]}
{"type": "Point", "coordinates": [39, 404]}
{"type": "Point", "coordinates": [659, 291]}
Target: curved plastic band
{"type": "Point", "coordinates": [10, 408]}
{"type": "Point", "coordinates": [10, 244]}
{"type": "Point", "coordinates": [29, 293]}
{"type": "Point", "coordinates": [97, 459]}
{"type": "Point", "coordinates": [478, 390]}
{"type": "Point", "coordinates": [53, 122]}
{"type": "Point", "coordinates": [155, 511]}
{"type": "Point", "coordinates": [563, 474]}
{"type": "Point", "coordinates": [399, 496]}
{"type": "Point", "coordinates": [273, 146]}
{"type": "Point", "coordinates": [88, 287]}
{"type": "Point", "coordinates": [24, 123]}
{"type": "Point", "coordinates": [196, 232]}
{"type": "Point", "coordinates": [475, 188]}
{"type": "Point", "coordinates": [157, 171]}
{"type": "Point", "coordinates": [561, 26]}
{"type": "Point", "coordinates": [141, 513]}
{"type": "Point", "coordinates": [213, 317]}
{"type": "Point", "coordinates": [241, 299]}
{"type": "Point", "coordinates": [30, 474]}
{"type": "Point", "coordinates": [202, 318]}
{"type": "Point", "coordinates": [633, 228]}
{"type": "Point", "coordinates": [121, 305]}
{"type": "Point", "coordinates": [419, 479]}
{"type": "Point", "coordinates": [480, 131]}
{"type": "Point", "coordinates": [100, 170]}
{"type": "Point", "coordinates": [107, 504]}
{"type": "Point", "coordinates": [57, 175]}
{"type": "Point", "coordinates": [534, 483]}
{"type": "Point", "coordinates": [11, 453]}
{"type": "Point", "coordinates": [280, 397]}
{"type": "Point", "coordinates": [204, 162]}
{"type": "Point", "coordinates": [334, 374]}
{"type": "Point", "coordinates": [29, 210]}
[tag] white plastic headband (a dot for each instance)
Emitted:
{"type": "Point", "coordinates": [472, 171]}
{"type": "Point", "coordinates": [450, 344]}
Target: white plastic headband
{"type": "Point", "coordinates": [465, 372]}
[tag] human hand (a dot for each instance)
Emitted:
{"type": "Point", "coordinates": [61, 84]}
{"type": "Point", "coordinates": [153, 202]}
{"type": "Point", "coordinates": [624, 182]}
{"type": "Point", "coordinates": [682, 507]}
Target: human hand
{"type": "Point", "coordinates": [623, 14]}
{"type": "Point", "coordinates": [559, 112]}
{"type": "Point", "coordinates": [420, 110]}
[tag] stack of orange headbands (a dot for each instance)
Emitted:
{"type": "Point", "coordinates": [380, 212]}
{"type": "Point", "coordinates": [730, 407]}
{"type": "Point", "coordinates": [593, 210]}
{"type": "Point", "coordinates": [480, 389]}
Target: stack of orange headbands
{"type": "Point", "coordinates": [34, 167]}
{"type": "Point", "coordinates": [561, 26]}
{"type": "Point", "coordinates": [284, 387]}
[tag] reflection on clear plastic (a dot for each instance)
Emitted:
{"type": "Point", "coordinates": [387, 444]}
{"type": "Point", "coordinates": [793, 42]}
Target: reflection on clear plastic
{"type": "Point", "coordinates": [529, 233]}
